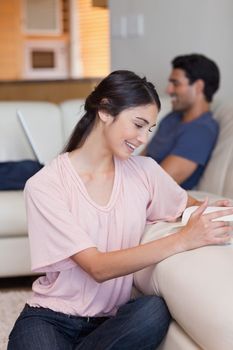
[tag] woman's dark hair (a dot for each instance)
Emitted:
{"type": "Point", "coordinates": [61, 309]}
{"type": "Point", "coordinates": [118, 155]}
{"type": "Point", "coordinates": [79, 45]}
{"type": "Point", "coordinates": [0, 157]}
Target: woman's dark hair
{"type": "Point", "coordinates": [120, 90]}
{"type": "Point", "coordinates": [197, 66]}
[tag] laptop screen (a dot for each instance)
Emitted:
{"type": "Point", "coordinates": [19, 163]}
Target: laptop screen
{"type": "Point", "coordinates": [28, 135]}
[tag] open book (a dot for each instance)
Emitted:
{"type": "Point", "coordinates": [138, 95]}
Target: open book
{"type": "Point", "coordinates": [190, 210]}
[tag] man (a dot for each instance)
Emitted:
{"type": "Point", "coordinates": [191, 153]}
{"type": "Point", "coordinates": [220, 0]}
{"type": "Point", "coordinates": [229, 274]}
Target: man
{"type": "Point", "coordinates": [186, 137]}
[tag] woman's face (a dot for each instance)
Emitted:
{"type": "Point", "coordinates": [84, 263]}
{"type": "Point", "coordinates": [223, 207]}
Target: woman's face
{"type": "Point", "coordinates": [130, 129]}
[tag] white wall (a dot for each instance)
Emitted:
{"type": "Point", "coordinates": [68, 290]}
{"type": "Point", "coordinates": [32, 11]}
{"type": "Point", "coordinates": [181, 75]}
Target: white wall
{"type": "Point", "coordinates": [172, 27]}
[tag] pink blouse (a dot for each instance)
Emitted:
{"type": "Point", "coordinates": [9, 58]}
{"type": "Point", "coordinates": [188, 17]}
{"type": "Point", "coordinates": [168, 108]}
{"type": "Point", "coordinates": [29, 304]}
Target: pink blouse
{"type": "Point", "coordinates": [64, 220]}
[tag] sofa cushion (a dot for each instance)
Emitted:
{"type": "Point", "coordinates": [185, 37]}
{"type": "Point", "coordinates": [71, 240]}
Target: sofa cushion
{"type": "Point", "coordinates": [13, 215]}
{"type": "Point", "coordinates": [15, 257]}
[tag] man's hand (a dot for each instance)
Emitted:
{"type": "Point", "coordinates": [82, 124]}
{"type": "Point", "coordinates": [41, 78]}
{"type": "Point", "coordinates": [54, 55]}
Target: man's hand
{"type": "Point", "coordinates": [222, 203]}
{"type": "Point", "coordinates": [219, 203]}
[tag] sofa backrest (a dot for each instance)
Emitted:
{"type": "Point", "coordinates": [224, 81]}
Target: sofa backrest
{"type": "Point", "coordinates": [218, 175]}
{"type": "Point", "coordinates": [71, 111]}
{"type": "Point", "coordinates": [52, 124]}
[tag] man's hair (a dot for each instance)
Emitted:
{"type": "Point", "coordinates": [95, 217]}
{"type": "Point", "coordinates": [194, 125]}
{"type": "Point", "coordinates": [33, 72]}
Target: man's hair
{"type": "Point", "coordinates": [197, 66]}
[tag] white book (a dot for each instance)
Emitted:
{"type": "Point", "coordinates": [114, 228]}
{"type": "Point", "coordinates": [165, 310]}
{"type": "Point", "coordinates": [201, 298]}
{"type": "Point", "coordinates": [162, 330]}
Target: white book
{"type": "Point", "coordinates": [188, 211]}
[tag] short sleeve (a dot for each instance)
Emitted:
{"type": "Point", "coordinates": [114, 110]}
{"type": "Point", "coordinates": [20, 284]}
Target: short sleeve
{"type": "Point", "coordinates": [54, 235]}
{"type": "Point", "coordinates": [167, 199]}
{"type": "Point", "coordinates": [195, 143]}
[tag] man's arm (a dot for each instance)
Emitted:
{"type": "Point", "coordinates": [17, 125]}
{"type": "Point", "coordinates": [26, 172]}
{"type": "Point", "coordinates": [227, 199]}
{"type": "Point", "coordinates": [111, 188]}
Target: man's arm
{"type": "Point", "coordinates": [178, 167]}
{"type": "Point", "coordinates": [188, 150]}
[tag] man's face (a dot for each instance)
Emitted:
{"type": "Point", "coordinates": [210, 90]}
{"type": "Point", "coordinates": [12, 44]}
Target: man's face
{"type": "Point", "coordinates": [183, 94]}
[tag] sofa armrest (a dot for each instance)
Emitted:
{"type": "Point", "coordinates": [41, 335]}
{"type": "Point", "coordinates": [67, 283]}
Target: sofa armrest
{"type": "Point", "coordinates": [197, 286]}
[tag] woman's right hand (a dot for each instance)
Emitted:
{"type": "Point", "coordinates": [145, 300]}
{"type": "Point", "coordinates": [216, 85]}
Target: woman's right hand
{"type": "Point", "coordinates": [201, 230]}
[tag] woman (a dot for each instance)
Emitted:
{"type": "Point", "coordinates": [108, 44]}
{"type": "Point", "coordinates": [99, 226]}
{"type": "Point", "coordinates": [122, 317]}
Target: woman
{"type": "Point", "coordinates": [86, 214]}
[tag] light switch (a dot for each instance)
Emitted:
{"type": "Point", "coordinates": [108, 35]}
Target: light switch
{"type": "Point", "coordinates": [135, 25]}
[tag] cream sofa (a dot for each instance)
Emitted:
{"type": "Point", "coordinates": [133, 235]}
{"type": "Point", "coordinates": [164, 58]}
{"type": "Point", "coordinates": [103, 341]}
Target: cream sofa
{"type": "Point", "coordinates": [50, 126]}
{"type": "Point", "coordinates": [197, 285]}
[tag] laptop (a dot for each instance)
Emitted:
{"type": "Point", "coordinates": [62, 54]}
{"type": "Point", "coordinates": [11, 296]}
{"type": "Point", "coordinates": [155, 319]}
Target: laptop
{"type": "Point", "coordinates": [28, 134]}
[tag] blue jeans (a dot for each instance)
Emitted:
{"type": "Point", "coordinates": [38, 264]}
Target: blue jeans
{"type": "Point", "coordinates": [139, 324]}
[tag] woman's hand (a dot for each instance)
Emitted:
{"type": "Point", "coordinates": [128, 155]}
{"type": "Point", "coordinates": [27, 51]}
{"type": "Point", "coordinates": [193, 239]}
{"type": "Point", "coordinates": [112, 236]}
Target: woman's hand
{"type": "Point", "coordinates": [201, 230]}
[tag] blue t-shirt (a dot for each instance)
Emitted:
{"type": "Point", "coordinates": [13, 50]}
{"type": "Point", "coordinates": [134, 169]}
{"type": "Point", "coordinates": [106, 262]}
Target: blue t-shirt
{"type": "Point", "coordinates": [193, 140]}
